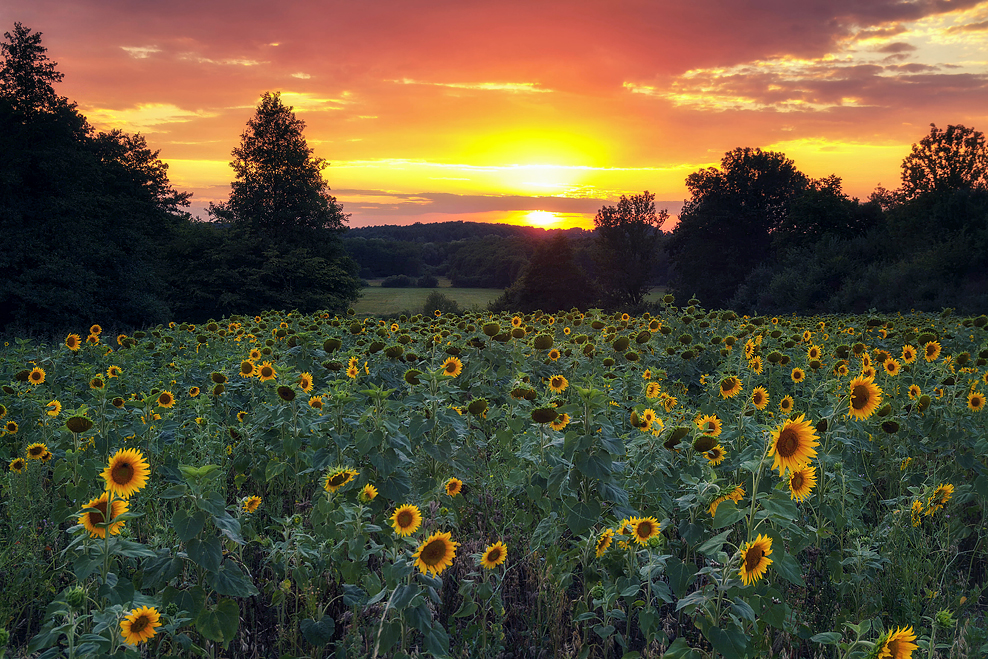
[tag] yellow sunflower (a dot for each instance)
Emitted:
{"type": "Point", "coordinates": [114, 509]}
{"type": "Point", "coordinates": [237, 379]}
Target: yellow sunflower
{"type": "Point", "coordinates": [494, 555]}
{"type": "Point", "coordinates": [554, 354]}
{"type": "Point", "coordinates": [369, 493]}
{"type": "Point", "coordinates": [975, 401]}
{"type": "Point", "coordinates": [866, 396]}
{"type": "Point", "coordinates": [793, 444]}
{"type": "Point", "coordinates": [899, 644]}
{"type": "Point", "coordinates": [454, 486]}
{"type": "Point", "coordinates": [558, 384]}
{"type": "Point", "coordinates": [452, 367]}
{"type": "Point", "coordinates": [114, 372]}
{"type": "Point", "coordinates": [755, 559]}
{"type": "Point", "coordinates": [931, 351]}
{"type": "Point", "coordinates": [97, 382]}
{"type": "Point", "coordinates": [715, 455]}
{"type": "Point", "coordinates": [315, 402]}
{"type": "Point", "coordinates": [406, 519]}
{"type": "Point", "coordinates": [36, 450]}
{"type": "Point", "coordinates": [560, 422]}
{"type": "Point", "coordinates": [53, 408]}
{"type": "Point", "coordinates": [73, 342]}
{"type": "Point", "coordinates": [436, 553]}
{"type": "Point", "coordinates": [801, 482]}
{"type": "Point", "coordinates": [908, 354]}
{"type": "Point", "coordinates": [653, 390]}
{"type": "Point", "coordinates": [95, 521]}
{"type": "Point", "coordinates": [709, 425]}
{"type": "Point", "coordinates": [193, 392]}
{"type": "Point", "coordinates": [755, 364]}
{"type": "Point", "coordinates": [247, 369]}
{"type": "Point", "coordinates": [814, 352]}
{"type": "Point", "coordinates": [255, 354]}
{"type": "Point", "coordinates": [941, 495]}
{"type": "Point", "coordinates": [643, 528]}
{"type": "Point", "coordinates": [914, 391]}
{"type": "Point", "coordinates": [18, 465]}
{"type": "Point", "coordinates": [36, 376]}
{"type": "Point", "coordinates": [126, 473]}
{"type": "Point", "coordinates": [338, 478]}
{"type": "Point", "coordinates": [604, 541]}
{"type": "Point", "coordinates": [759, 398]}
{"type": "Point", "coordinates": [166, 399]}
{"type": "Point", "coordinates": [139, 625]}
{"type": "Point", "coordinates": [305, 382]}
{"type": "Point", "coordinates": [892, 366]}
{"type": "Point", "coordinates": [266, 372]}
{"type": "Point", "coordinates": [10, 427]}
{"type": "Point", "coordinates": [352, 372]}
{"type": "Point", "coordinates": [798, 375]}
{"type": "Point", "coordinates": [251, 504]}
{"type": "Point", "coordinates": [730, 387]}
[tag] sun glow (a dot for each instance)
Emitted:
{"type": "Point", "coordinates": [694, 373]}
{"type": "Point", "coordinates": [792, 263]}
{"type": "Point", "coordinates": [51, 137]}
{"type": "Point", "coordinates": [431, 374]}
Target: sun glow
{"type": "Point", "coordinates": [540, 218]}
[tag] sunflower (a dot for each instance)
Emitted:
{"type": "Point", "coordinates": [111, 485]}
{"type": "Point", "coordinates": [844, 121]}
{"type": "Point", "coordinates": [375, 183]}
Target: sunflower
{"type": "Point", "coordinates": [73, 342]}
{"type": "Point", "coordinates": [914, 391]}
{"type": "Point", "coordinates": [755, 364]}
{"type": "Point", "coordinates": [436, 553]}
{"type": "Point", "coordinates": [454, 486]}
{"type": "Point", "coordinates": [916, 513]}
{"type": "Point", "coordinates": [166, 399]}
{"type": "Point", "coordinates": [352, 372]}
{"type": "Point", "coordinates": [247, 369]}
{"type": "Point", "coordinates": [793, 444]}
{"type": "Point", "coordinates": [18, 465]}
{"type": "Point", "coordinates": [975, 401]}
{"type": "Point", "coordinates": [406, 519]}
{"type": "Point", "coordinates": [138, 625]}
{"type": "Point", "coordinates": [931, 351]}
{"type": "Point", "coordinates": [3, 411]}
{"type": "Point", "coordinates": [92, 339]}
{"type": "Point", "coordinates": [255, 354]}
{"type": "Point", "coordinates": [46, 456]}
{"type": "Point", "coordinates": [114, 372]}
{"type": "Point", "coordinates": [266, 372]}
{"type": "Point", "coordinates": [868, 372]}
{"type": "Point", "coordinates": [801, 481]}
{"type": "Point", "coordinates": [36, 376]}
{"type": "Point", "coordinates": [126, 473]}
{"type": "Point", "coordinates": [10, 427]}
{"type": "Point", "coordinates": [36, 450]}
{"type": "Point", "coordinates": [452, 367]}
{"type": "Point", "coordinates": [554, 354]}
{"type": "Point", "coordinates": [251, 504]}
{"type": "Point", "coordinates": [653, 390]}
{"type": "Point", "coordinates": [305, 382]}
{"type": "Point", "coordinates": [892, 366]}
{"type": "Point", "coordinates": [338, 478]}
{"type": "Point", "coordinates": [648, 418]}
{"type": "Point", "coordinates": [560, 422]}
{"type": "Point", "coordinates": [814, 352]}
{"type": "Point", "coordinates": [643, 528]}
{"type": "Point", "coordinates": [709, 425]}
{"type": "Point", "coordinates": [193, 392]}
{"type": "Point", "coordinates": [759, 398]}
{"type": "Point", "coordinates": [898, 644]}
{"type": "Point", "coordinates": [866, 396]}
{"type": "Point", "coordinates": [97, 382]}
{"type": "Point", "coordinates": [730, 387]}
{"type": "Point", "coordinates": [516, 321]}
{"type": "Point", "coordinates": [715, 455]}
{"type": "Point", "coordinates": [95, 521]}
{"type": "Point", "coordinates": [95, 329]}
{"type": "Point", "coordinates": [558, 383]}
{"type": "Point", "coordinates": [604, 541]}
{"type": "Point", "coordinates": [908, 354]}
{"type": "Point", "coordinates": [941, 495]}
{"type": "Point", "coordinates": [798, 375]}
{"type": "Point", "coordinates": [755, 559]}
{"type": "Point", "coordinates": [669, 402]}
{"type": "Point", "coordinates": [315, 402]}
{"type": "Point", "coordinates": [53, 408]}
{"type": "Point", "coordinates": [368, 493]}
{"type": "Point", "coordinates": [494, 555]}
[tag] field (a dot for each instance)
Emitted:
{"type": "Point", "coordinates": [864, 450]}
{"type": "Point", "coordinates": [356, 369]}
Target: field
{"type": "Point", "coordinates": [378, 301]}
{"type": "Point", "coordinates": [692, 484]}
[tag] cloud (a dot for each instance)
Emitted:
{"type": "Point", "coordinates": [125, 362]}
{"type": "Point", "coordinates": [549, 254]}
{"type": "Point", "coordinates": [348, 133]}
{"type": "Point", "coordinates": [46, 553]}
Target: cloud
{"type": "Point", "coordinates": [140, 52]}
{"type": "Point", "coordinates": [897, 47]}
{"type": "Point", "coordinates": [515, 87]}
{"type": "Point", "coordinates": [145, 117]}
{"type": "Point", "coordinates": [981, 26]}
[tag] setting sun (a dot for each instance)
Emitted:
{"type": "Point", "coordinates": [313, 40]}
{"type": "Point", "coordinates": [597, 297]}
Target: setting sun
{"type": "Point", "coordinates": [541, 218]}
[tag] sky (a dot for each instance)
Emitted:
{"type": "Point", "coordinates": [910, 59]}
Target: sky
{"type": "Point", "coordinates": [526, 112]}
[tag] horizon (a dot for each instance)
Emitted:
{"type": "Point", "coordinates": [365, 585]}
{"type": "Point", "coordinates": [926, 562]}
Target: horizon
{"type": "Point", "coordinates": [516, 114]}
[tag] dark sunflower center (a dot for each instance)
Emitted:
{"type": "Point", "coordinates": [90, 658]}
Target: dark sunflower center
{"type": "Point", "coordinates": [122, 473]}
{"type": "Point", "coordinates": [859, 397]}
{"type": "Point", "coordinates": [758, 398]}
{"type": "Point", "coordinates": [788, 442]}
{"type": "Point", "coordinates": [710, 426]}
{"type": "Point", "coordinates": [557, 382]}
{"type": "Point", "coordinates": [645, 530]}
{"type": "Point", "coordinates": [139, 625]}
{"type": "Point", "coordinates": [450, 367]}
{"type": "Point", "coordinates": [797, 482]}
{"type": "Point", "coordinates": [404, 518]}
{"type": "Point", "coordinates": [100, 517]}
{"type": "Point", "coordinates": [246, 368]}
{"type": "Point", "coordinates": [433, 552]}
{"type": "Point", "coordinates": [266, 371]}
{"type": "Point", "coordinates": [35, 450]}
{"type": "Point", "coordinates": [337, 480]}
{"type": "Point", "coordinates": [752, 558]}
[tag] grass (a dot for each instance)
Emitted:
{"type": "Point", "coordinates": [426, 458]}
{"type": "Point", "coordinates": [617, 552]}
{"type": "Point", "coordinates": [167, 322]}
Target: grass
{"type": "Point", "coordinates": [378, 301]}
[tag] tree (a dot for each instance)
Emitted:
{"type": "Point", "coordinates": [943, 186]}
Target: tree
{"type": "Point", "coordinates": [27, 75]}
{"type": "Point", "coordinates": [726, 228]}
{"type": "Point", "coordinates": [626, 248]}
{"type": "Point", "coordinates": [945, 161]}
{"type": "Point", "coordinates": [822, 209]}
{"type": "Point", "coordinates": [279, 191]}
{"type": "Point", "coordinates": [551, 281]}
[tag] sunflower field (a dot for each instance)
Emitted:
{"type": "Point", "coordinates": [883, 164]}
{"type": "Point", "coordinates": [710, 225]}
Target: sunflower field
{"type": "Point", "coordinates": [688, 484]}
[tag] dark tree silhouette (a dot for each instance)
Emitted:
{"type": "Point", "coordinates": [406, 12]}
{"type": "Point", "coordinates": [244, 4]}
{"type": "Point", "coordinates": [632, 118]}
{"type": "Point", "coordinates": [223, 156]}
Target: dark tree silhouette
{"type": "Point", "coordinates": [627, 238]}
{"type": "Point", "coordinates": [27, 76]}
{"type": "Point", "coordinates": [945, 161]}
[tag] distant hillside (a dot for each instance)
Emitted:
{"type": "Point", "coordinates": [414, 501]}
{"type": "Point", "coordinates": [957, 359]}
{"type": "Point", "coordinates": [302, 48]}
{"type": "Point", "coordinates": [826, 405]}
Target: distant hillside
{"type": "Point", "coordinates": [445, 232]}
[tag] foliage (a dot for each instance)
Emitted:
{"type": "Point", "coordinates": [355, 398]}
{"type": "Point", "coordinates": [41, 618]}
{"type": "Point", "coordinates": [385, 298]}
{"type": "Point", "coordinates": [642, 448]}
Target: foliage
{"type": "Point", "coordinates": [27, 76]}
{"type": "Point", "coordinates": [552, 281]}
{"type": "Point", "coordinates": [627, 242]}
{"type": "Point", "coordinates": [945, 161]}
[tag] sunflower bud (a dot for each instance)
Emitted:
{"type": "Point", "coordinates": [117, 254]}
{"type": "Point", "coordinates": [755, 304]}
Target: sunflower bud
{"type": "Point", "coordinates": [542, 341]}
{"type": "Point", "coordinates": [924, 402]}
{"type": "Point", "coordinates": [217, 378]}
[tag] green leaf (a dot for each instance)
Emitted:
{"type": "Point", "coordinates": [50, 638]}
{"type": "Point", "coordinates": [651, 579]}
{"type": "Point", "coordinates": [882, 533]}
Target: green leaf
{"type": "Point", "coordinates": [188, 526]}
{"type": "Point", "coordinates": [230, 580]}
{"type": "Point", "coordinates": [714, 544]}
{"type": "Point", "coordinates": [680, 649]}
{"type": "Point", "coordinates": [827, 638]}
{"type": "Point", "coordinates": [787, 568]}
{"type": "Point", "coordinates": [219, 623]}
{"type": "Point", "coordinates": [404, 595]}
{"type": "Point", "coordinates": [727, 514]}
{"type": "Point", "coordinates": [467, 608]}
{"type": "Point", "coordinates": [207, 554]}
{"type": "Point", "coordinates": [320, 632]}
{"type": "Point", "coordinates": [274, 469]}
{"type": "Point", "coordinates": [731, 643]}
{"type": "Point", "coordinates": [681, 575]}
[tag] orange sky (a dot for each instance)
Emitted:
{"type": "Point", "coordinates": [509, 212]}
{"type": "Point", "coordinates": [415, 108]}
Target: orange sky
{"type": "Point", "coordinates": [525, 112]}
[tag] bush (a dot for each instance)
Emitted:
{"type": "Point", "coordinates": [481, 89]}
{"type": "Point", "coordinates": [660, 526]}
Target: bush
{"type": "Point", "coordinates": [398, 281]}
{"type": "Point", "coordinates": [439, 302]}
{"type": "Point", "coordinates": [427, 281]}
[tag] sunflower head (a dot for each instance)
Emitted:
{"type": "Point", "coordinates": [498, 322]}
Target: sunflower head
{"type": "Point", "coordinates": [251, 504]}
{"type": "Point", "coordinates": [866, 397]}
{"type": "Point", "coordinates": [73, 342]}
{"type": "Point", "coordinates": [126, 473]}
{"type": "Point", "coordinates": [793, 444]}
{"type": "Point", "coordinates": [18, 465]}
{"type": "Point", "coordinates": [755, 559]}
{"type": "Point", "coordinates": [368, 493]}
{"type": "Point", "coordinates": [139, 625]}
{"type": "Point", "coordinates": [436, 553]}
{"type": "Point", "coordinates": [730, 387]}
{"type": "Point", "coordinates": [338, 478]}
{"type": "Point", "coordinates": [558, 383]}
{"type": "Point", "coordinates": [975, 401]}
{"type": "Point", "coordinates": [604, 541]}
{"type": "Point", "coordinates": [36, 376]}
{"type": "Point", "coordinates": [643, 528]}
{"type": "Point", "coordinates": [406, 519]}
{"type": "Point", "coordinates": [798, 375]}
{"type": "Point", "coordinates": [454, 486]}
{"type": "Point", "coordinates": [97, 521]}
{"type": "Point", "coordinates": [266, 372]}
{"type": "Point", "coordinates": [36, 450]}
{"type": "Point", "coordinates": [452, 367]}
{"type": "Point", "coordinates": [166, 399]}
{"type": "Point", "coordinates": [897, 644]}
{"type": "Point", "coordinates": [801, 482]}
{"type": "Point", "coordinates": [759, 398]}
{"type": "Point", "coordinates": [494, 555]}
